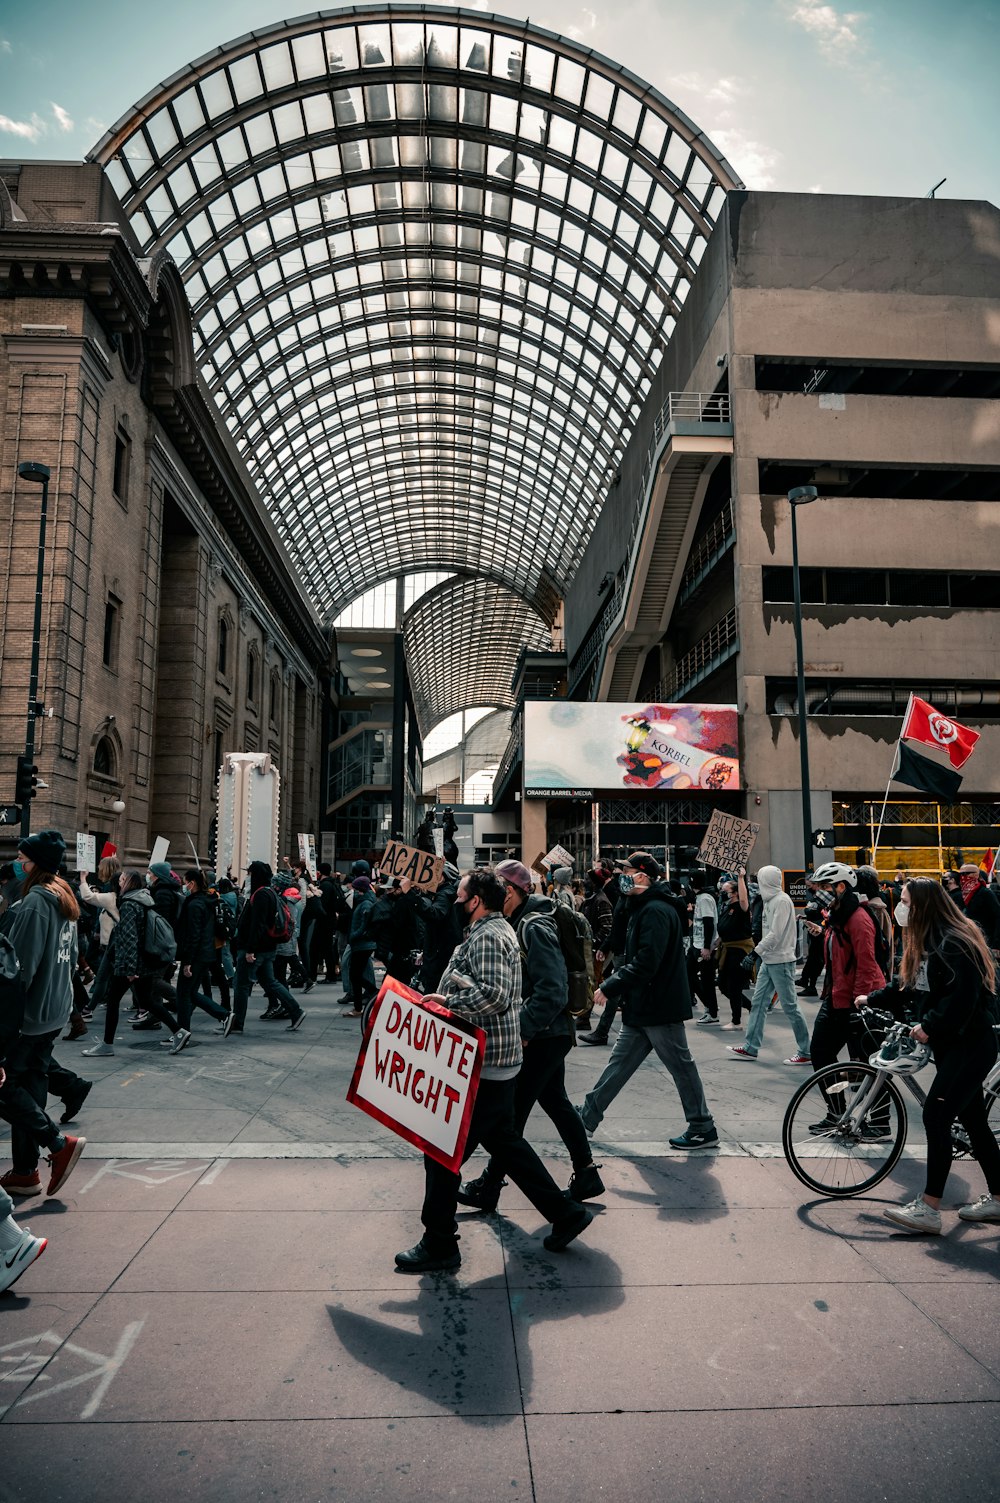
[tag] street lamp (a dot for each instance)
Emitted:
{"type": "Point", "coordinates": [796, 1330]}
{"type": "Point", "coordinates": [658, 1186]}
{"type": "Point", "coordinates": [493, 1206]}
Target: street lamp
{"type": "Point", "coordinates": [39, 475]}
{"type": "Point", "coordinates": [801, 496]}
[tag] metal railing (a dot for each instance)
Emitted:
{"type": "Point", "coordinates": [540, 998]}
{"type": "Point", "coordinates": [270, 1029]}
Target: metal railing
{"type": "Point", "coordinates": [698, 407]}
{"type": "Point", "coordinates": [716, 645]}
{"type": "Point", "coordinates": [511, 751]}
{"type": "Point", "coordinates": [709, 547]}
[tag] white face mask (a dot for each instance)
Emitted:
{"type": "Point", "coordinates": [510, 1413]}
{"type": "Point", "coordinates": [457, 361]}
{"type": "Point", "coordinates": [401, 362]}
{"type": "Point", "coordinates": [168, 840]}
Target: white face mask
{"type": "Point", "coordinates": [902, 913]}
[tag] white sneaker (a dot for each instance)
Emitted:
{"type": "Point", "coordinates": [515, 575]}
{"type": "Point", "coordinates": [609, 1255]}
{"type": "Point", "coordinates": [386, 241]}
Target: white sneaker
{"type": "Point", "coordinates": [917, 1216]}
{"type": "Point", "coordinates": [707, 1021]}
{"type": "Point", "coordinates": [14, 1260]}
{"type": "Point", "coordinates": [986, 1208]}
{"type": "Point", "coordinates": [98, 1051]}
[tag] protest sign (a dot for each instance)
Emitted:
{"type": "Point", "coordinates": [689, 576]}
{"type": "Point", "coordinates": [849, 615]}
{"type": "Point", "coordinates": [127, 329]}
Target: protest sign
{"type": "Point", "coordinates": [418, 1072]}
{"type": "Point", "coordinates": [728, 841]}
{"type": "Point", "coordinates": [307, 852]}
{"type": "Point", "coordinates": [558, 856]}
{"type": "Point", "coordinates": [422, 869]}
{"type": "Point", "coordinates": [86, 852]}
{"type": "Point", "coordinates": [161, 846]}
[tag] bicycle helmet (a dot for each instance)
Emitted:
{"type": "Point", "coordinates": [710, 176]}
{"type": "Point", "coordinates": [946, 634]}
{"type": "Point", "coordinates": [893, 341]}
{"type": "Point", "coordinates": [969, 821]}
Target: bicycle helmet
{"type": "Point", "coordinates": [901, 1056]}
{"type": "Point", "coordinates": [835, 871]}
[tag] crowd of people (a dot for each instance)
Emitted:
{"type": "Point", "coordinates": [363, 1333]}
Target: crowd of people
{"type": "Point", "coordinates": [538, 965]}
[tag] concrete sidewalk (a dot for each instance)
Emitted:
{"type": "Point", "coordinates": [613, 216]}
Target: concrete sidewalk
{"type": "Point", "coordinates": [230, 1328]}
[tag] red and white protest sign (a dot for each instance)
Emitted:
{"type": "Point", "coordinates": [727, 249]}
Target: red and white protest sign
{"type": "Point", "coordinates": [418, 1072]}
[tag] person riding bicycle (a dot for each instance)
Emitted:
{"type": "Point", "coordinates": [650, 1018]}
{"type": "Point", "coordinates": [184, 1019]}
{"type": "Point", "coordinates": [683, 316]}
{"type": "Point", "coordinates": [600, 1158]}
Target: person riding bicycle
{"type": "Point", "coordinates": [851, 966]}
{"type": "Point", "coordinates": [948, 975]}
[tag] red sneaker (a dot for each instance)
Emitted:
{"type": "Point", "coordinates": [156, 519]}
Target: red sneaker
{"type": "Point", "coordinates": [21, 1184]}
{"type": "Point", "coordinates": [64, 1162]}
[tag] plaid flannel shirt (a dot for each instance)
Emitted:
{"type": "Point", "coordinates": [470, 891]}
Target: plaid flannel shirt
{"type": "Point", "coordinates": [482, 982]}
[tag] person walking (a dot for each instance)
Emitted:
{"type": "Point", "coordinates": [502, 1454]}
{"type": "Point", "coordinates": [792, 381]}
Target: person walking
{"type": "Point", "coordinates": [196, 954]}
{"type": "Point", "coordinates": [256, 943]}
{"type": "Point", "coordinates": [948, 974]}
{"type": "Point", "coordinates": [735, 944]}
{"type": "Point", "coordinates": [132, 966]}
{"type": "Point", "coordinates": [482, 983]}
{"type": "Point", "coordinates": [701, 962]}
{"type": "Point", "coordinates": [361, 943]}
{"type": "Point", "coordinates": [652, 983]}
{"type": "Point", "coordinates": [774, 954]}
{"type": "Point", "coordinates": [546, 1039]}
{"type": "Point", "coordinates": [851, 967]}
{"type": "Point", "coordinates": [41, 930]}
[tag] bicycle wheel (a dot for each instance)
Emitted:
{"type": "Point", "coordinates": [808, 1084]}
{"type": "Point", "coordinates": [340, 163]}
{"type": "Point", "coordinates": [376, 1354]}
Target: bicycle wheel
{"type": "Point", "coordinates": [832, 1148]}
{"type": "Point", "coordinates": [993, 1112]}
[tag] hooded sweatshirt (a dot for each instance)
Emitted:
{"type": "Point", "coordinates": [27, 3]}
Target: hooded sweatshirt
{"type": "Point", "coordinates": [46, 946]}
{"type": "Point", "coordinates": [776, 945]}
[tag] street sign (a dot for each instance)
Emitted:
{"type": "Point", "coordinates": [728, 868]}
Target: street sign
{"type": "Point", "coordinates": [824, 840]}
{"type": "Point", "coordinates": [10, 814]}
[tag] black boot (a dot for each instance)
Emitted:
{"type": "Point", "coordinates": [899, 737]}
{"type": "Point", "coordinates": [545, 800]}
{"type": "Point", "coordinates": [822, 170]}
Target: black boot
{"type": "Point", "coordinates": [484, 1192]}
{"type": "Point", "coordinates": [586, 1184]}
{"type": "Point", "coordinates": [422, 1259]}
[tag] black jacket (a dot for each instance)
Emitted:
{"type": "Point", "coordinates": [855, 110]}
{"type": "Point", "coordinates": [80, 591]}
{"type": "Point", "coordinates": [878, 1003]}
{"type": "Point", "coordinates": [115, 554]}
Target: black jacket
{"type": "Point", "coordinates": [598, 913]}
{"type": "Point", "coordinates": [443, 932]}
{"type": "Point", "coordinates": [544, 978]}
{"type": "Point", "coordinates": [168, 898]}
{"type": "Point", "coordinates": [955, 1009]}
{"type": "Point", "coordinates": [983, 908]}
{"type": "Point", "coordinates": [259, 911]}
{"type": "Point", "coordinates": [195, 931]}
{"type": "Point", "coordinates": [652, 980]}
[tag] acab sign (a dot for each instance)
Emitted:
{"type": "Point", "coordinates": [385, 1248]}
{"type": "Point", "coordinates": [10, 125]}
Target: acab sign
{"type": "Point", "coordinates": [418, 1072]}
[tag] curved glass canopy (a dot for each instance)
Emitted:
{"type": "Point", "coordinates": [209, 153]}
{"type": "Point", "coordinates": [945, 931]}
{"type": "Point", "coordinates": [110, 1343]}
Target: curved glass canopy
{"type": "Point", "coordinates": [462, 642]}
{"type": "Point", "coordinates": [433, 259]}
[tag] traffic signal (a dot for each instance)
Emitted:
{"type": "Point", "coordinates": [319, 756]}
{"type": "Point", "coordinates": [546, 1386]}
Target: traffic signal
{"type": "Point", "coordinates": [26, 785]}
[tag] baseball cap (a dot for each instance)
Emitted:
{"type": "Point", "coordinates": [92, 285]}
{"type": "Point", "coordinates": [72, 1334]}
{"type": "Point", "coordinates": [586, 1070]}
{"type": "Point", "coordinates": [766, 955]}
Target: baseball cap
{"type": "Point", "coordinates": [642, 861]}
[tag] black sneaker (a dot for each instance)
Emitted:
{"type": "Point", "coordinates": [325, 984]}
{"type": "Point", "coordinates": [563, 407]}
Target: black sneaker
{"type": "Point", "coordinates": [586, 1184]}
{"type": "Point", "coordinates": [483, 1193]}
{"type": "Point", "coordinates": [73, 1102]}
{"type": "Point", "coordinates": [826, 1125]}
{"type": "Point", "coordinates": [148, 1025]}
{"type": "Point", "coordinates": [296, 1023]}
{"type": "Point", "coordinates": [597, 1037]}
{"type": "Point", "coordinates": [875, 1132]}
{"type": "Point", "coordinates": [271, 1014]}
{"type": "Point", "coordinates": [421, 1259]}
{"type": "Point", "coordinates": [567, 1228]}
{"type": "Point", "coordinates": [808, 991]}
{"type": "Point", "coordinates": [308, 986]}
{"type": "Point", "coordinates": [692, 1139]}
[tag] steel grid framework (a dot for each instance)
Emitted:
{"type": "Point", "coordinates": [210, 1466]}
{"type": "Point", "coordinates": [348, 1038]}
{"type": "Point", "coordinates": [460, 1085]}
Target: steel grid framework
{"type": "Point", "coordinates": [433, 259]}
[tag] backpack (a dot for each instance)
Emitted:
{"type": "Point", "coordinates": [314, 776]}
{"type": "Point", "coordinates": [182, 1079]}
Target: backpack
{"type": "Point", "coordinates": [225, 920]}
{"type": "Point", "coordinates": [281, 926]}
{"type": "Point", "coordinates": [159, 948]}
{"type": "Point", "coordinates": [883, 949]}
{"type": "Point", "coordinates": [577, 946]}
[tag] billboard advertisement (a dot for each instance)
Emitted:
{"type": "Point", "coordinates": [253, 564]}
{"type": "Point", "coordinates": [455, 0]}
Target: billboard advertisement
{"type": "Point", "coordinates": [572, 749]}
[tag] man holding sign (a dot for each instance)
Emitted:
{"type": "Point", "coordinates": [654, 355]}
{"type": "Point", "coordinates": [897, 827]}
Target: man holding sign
{"type": "Point", "coordinates": [482, 982]}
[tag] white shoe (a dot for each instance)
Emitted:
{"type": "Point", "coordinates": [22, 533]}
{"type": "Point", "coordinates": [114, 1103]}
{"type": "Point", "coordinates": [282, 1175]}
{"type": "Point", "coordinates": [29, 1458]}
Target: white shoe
{"type": "Point", "coordinates": [986, 1208]}
{"type": "Point", "coordinates": [730, 1027]}
{"type": "Point", "coordinates": [707, 1021]}
{"type": "Point", "coordinates": [98, 1051]}
{"type": "Point", "coordinates": [917, 1216]}
{"type": "Point", "coordinates": [14, 1260]}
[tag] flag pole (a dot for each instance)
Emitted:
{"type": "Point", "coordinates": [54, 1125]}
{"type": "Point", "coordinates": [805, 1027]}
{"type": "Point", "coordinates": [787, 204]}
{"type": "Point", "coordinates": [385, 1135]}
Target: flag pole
{"type": "Point", "coordinates": [881, 818]}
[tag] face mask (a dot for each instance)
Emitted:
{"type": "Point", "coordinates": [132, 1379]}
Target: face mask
{"type": "Point", "coordinates": [902, 913]}
{"type": "Point", "coordinates": [149, 880]}
{"type": "Point", "coordinates": [626, 885]}
{"type": "Point", "coordinates": [19, 871]}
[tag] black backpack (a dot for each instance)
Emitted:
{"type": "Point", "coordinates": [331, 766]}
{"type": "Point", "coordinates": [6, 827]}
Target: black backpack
{"type": "Point", "coordinates": [883, 949]}
{"type": "Point", "coordinates": [577, 946]}
{"type": "Point", "coordinates": [159, 947]}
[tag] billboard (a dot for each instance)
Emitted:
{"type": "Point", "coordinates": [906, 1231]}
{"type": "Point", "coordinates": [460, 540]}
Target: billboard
{"type": "Point", "coordinates": [571, 750]}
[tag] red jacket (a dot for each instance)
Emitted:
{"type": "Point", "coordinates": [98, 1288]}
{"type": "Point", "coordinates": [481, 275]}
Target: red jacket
{"type": "Point", "coordinates": [851, 970]}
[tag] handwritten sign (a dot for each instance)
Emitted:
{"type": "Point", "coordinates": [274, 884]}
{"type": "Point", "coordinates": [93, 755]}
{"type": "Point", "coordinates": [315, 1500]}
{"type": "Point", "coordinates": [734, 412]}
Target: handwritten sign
{"type": "Point", "coordinates": [422, 869]}
{"type": "Point", "coordinates": [558, 856]}
{"type": "Point", "coordinates": [418, 1072]}
{"type": "Point", "coordinates": [307, 852]}
{"type": "Point", "coordinates": [86, 852]}
{"type": "Point", "coordinates": [728, 841]}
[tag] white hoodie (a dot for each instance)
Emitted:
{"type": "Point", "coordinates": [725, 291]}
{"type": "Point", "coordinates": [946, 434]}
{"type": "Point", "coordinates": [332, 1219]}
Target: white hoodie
{"type": "Point", "coordinates": [777, 943]}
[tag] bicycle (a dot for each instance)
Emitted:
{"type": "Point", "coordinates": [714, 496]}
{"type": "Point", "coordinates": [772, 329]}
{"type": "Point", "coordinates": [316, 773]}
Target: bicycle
{"type": "Point", "coordinates": [860, 1125]}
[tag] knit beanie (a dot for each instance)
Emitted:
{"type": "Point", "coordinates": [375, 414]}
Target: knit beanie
{"type": "Point", "coordinates": [162, 870]}
{"type": "Point", "coordinates": [516, 873]}
{"type": "Point", "coordinates": [47, 850]}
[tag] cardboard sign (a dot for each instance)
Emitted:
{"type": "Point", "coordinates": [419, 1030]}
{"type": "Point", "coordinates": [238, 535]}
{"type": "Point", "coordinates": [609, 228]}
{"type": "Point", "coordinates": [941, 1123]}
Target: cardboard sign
{"type": "Point", "coordinates": [558, 856]}
{"type": "Point", "coordinates": [728, 841]}
{"type": "Point", "coordinates": [307, 852]}
{"type": "Point", "coordinates": [423, 870]}
{"type": "Point", "coordinates": [86, 852]}
{"type": "Point", "coordinates": [418, 1072]}
{"type": "Point", "coordinates": [161, 846]}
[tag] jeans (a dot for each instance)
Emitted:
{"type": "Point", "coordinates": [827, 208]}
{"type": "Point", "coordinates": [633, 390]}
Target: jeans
{"type": "Point", "coordinates": [22, 1100]}
{"type": "Point", "coordinates": [542, 1078]}
{"type": "Point", "coordinates": [261, 969]}
{"type": "Point", "coordinates": [776, 976]}
{"type": "Point", "coordinates": [632, 1046]}
{"type": "Point", "coordinates": [190, 996]}
{"type": "Point", "coordinates": [493, 1126]}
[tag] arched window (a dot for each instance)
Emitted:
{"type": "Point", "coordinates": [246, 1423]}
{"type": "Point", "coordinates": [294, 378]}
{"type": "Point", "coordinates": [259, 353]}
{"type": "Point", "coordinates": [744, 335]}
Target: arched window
{"type": "Point", "coordinates": [223, 659]}
{"type": "Point", "coordinates": [251, 676]}
{"type": "Point", "coordinates": [105, 760]}
{"type": "Point", "coordinates": [273, 707]}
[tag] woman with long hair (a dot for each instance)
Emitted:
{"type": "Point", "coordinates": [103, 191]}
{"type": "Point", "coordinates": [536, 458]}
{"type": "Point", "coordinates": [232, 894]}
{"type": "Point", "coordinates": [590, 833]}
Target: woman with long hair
{"type": "Point", "coordinates": [42, 932]}
{"type": "Point", "coordinates": [948, 975]}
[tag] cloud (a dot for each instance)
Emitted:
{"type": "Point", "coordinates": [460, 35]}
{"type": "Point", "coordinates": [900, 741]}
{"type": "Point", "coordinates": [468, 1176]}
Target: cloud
{"type": "Point", "coordinates": [838, 33]}
{"type": "Point", "coordinates": [62, 119]}
{"type": "Point", "coordinates": [754, 161]}
{"type": "Point", "coordinates": [30, 130]}
{"type": "Point", "coordinates": [5, 45]}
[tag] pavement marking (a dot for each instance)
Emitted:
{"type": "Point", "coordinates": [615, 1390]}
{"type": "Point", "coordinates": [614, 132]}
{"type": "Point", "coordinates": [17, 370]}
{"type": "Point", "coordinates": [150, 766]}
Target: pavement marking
{"type": "Point", "coordinates": [33, 1356]}
{"type": "Point", "coordinates": [163, 1157]}
{"type": "Point", "coordinates": [159, 1169]}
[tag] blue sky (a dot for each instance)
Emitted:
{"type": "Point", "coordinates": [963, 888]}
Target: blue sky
{"type": "Point", "coordinates": [885, 97]}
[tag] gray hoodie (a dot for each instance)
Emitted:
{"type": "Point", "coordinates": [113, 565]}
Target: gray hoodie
{"type": "Point", "coordinates": [46, 946]}
{"type": "Point", "coordinates": [777, 942]}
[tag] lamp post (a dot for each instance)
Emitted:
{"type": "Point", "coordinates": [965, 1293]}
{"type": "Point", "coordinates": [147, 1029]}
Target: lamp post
{"type": "Point", "coordinates": [801, 496]}
{"type": "Point", "coordinates": [39, 475]}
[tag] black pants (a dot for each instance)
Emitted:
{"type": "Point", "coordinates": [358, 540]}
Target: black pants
{"type": "Point", "coordinates": [814, 961]}
{"type": "Point", "coordinates": [957, 1093]}
{"type": "Point", "coordinates": [196, 991]}
{"type": "Point", "coordinates": [834, 1027]}
{"type": "Point", "coordinates": [142, 991]}
{"type": "Point", "coordinates": [701, 976]}
{"type": "Point", "coordinates": [492, 1126]}
{"type": "Point", "coordinates": [63, 1082]}
{"type": "Point", "coordinates": [732, 981]}
{"type": "Point", "coordinates": [542, 1079]}
{"type": "Point", "coordinates": [362, 993]}
{"type": "Point", "coordinates": [323, 949]}
{"type": "Point", "coordinates": [22, 1100]}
